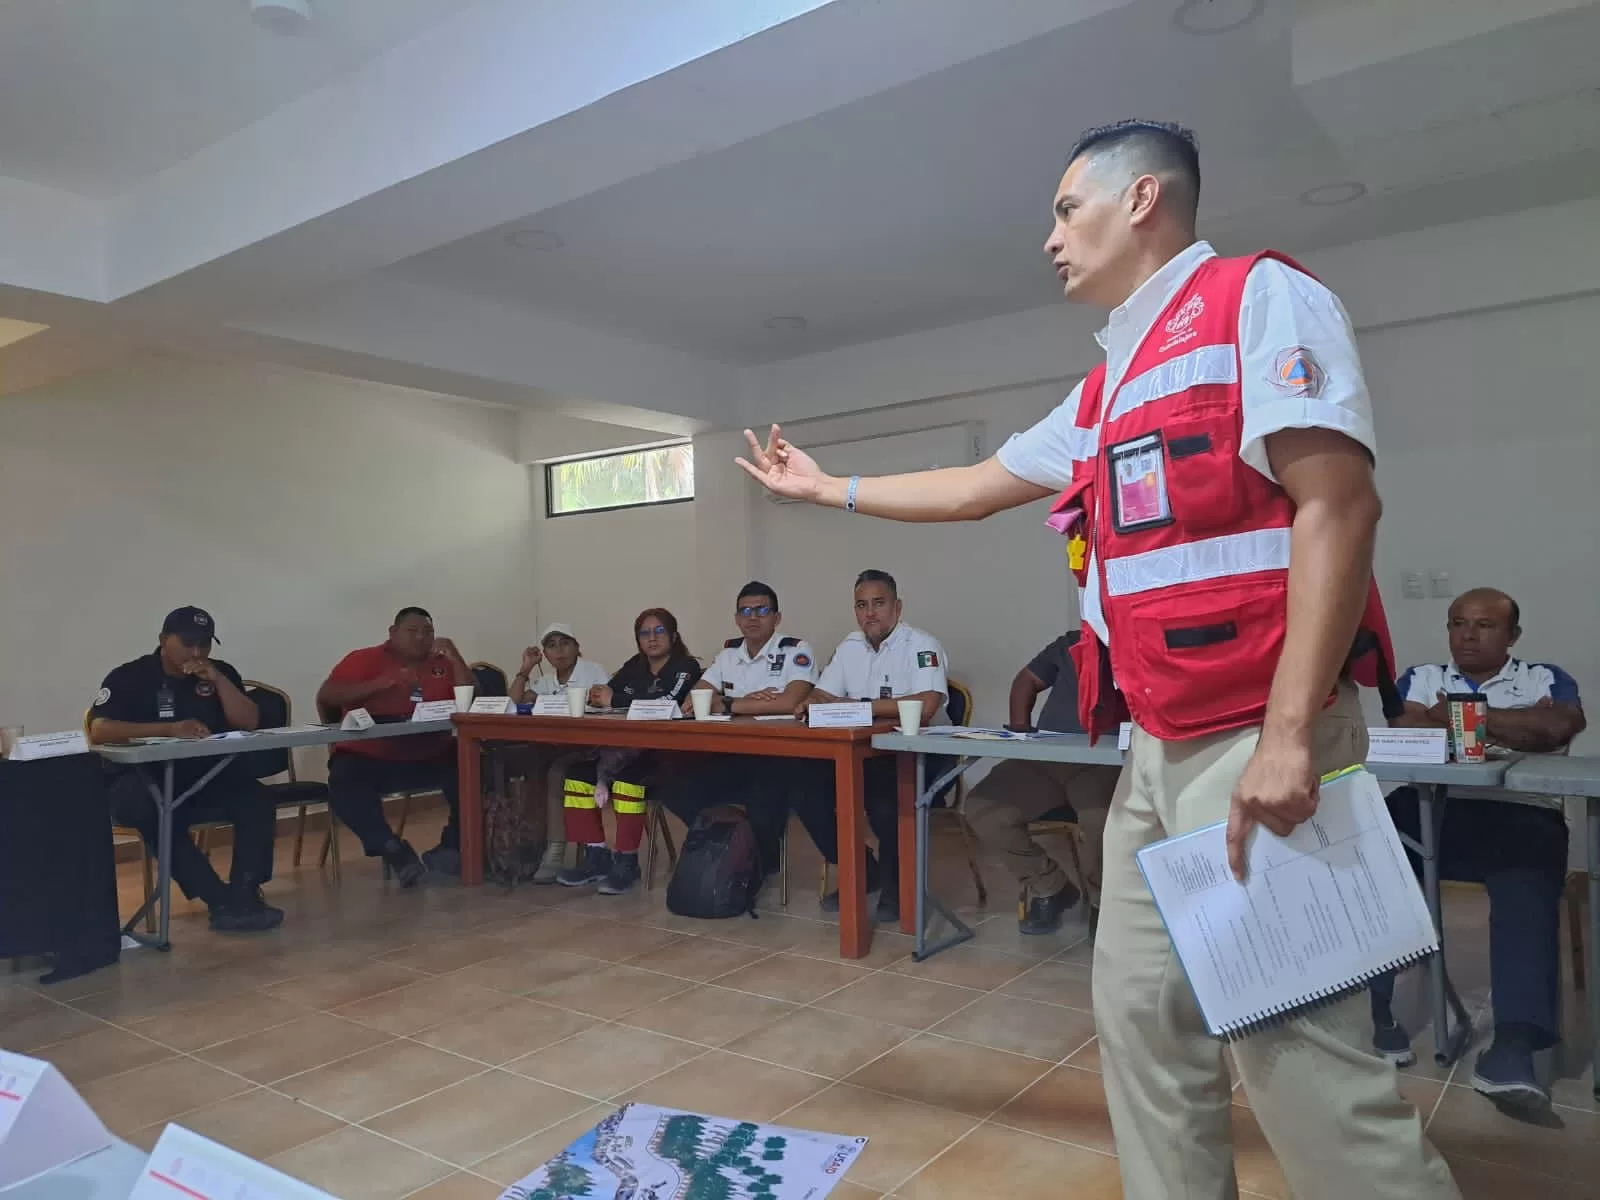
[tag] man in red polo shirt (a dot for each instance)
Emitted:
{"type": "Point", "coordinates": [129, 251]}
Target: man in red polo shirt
{"type": "Point", "coordinates": [388, 680]}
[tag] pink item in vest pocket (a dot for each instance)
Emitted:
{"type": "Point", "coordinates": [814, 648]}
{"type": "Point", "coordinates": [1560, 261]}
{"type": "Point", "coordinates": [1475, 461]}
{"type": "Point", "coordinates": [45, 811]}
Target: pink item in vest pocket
{"type": "Point", "coordinates": [1064, 520]}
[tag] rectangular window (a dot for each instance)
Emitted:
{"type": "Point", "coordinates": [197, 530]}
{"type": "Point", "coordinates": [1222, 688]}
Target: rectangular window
{"type": "Point", "coordinates": [631, 479]}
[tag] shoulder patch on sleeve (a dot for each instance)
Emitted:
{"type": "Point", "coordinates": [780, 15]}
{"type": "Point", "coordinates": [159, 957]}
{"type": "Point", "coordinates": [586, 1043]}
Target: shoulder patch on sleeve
{"type": "Point", "coordinates": [732, 643]}
{"type": "Point", "coordinates": [927, 658]}
{"type": "Point", "coordinates": [102, 696]}
{"type": "Point", "coordinates": [802, 660]}
{"type": "Point", "coordinates": [784, 643]}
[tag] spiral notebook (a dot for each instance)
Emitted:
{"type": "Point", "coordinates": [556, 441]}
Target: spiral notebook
{"type": "Point", "coordinates": [1320, 913]}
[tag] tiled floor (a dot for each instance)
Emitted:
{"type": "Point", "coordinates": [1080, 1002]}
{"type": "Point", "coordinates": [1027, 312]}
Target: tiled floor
{"type": "Point", "coordinates": [441, 1043]}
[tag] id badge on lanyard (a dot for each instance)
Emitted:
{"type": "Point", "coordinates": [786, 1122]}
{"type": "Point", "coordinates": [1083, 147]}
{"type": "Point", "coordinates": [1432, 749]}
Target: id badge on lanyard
{"type": "Point", "coordinates": [1139, 484]}
{"type": "Point", "coordinates": [166, 704]}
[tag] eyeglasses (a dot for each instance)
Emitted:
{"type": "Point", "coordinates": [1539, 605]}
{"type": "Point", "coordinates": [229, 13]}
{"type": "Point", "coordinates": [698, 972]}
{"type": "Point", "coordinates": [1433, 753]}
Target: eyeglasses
{"type": "Point", "coordinates": [653, 631]}
{"type": "Point", "coordinates": [755, 610]}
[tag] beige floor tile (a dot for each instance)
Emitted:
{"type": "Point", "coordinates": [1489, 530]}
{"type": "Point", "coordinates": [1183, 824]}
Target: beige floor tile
{"type": "Point", "coordinates": [821, 1042]}
{"type": "Point", "coordinates": [220, 1021]}
{"type": "Point", "coordinates": [886, 996]}
{"type": "Point", "coordinates": [1045, 1031]}
{"type": "Point", "coordinates": [613, 941]}
{"type": "Point", "coordinates": [963, 1078]}
{"type": "Point", "coordinates": [377, 1080]}
{"type": "Point", "coordinates": [158, 1092]}
{"type": "Point", "coordinates": [606, 1060]}
{"type": "Point", "coordinates": [699, 958]}
{"type": "Point", "coordinates": [102, 1052]}
{"type": "Point", "coordinates": [999, 933]}
{"type": "Point", "coordinates": [522, 971]}
{"type": "Point", "coordinates": [302, 1045]}
{"type": "Point", "coordinates": [520, 1160]}
{"type": "Point", "coordinates": [770, 932]}
{"type": "Point", "coordinates": [709, 1015]}
{"type": "Point", "coordinates": [854, 1191]}
{"type": "Point", "coordinates": [354, 1164]}
{"type": "Point", "coordinates": [901, 1136]}
{"type": "Point", "coordinates": [966, 966]}
{"type": "Point", "coordinates": [509, 1031]}
{"type": "Point", "coordinates": [463, 1185]}
{"type": "Point", "coordinates": [1565, 1144]}
{"type": "Point", "coordinates": [259, 1123]}
{"type": "Point", "coordinates": [329, 989]}
{"type": "Point", "coordinates": [1028, 1165]}
{"type": "Point", "coordinates": [1479, 1180]}
{"type": "Point", "coordinates": [30, 1022]}
{"type": "Point", "coordinates": [726, 1085]}
{"type": "Point", "coordinates": [432, 1001]}
{"type": "Point", "coordinates": [819, 939]}
{"type": "Point", "coordinates": [612, 992]}
{"type": "Point", "coordinates": [175, 992]}
{"type": "Point", "coordinates": [1257, 1167]}
{"type": "Point", "coordinates": [1068, 1105]}
{"type": "Point", "coordinates": [441, 955]}
{"type": "Point", "coordinates": [793, 977]}
{"type": "Point", "coordinates": [1088, 1058]}
{"type": "Point", "coordinates": [1065, 983]}
{"type": "Point", "coordinates": [477, 1117]}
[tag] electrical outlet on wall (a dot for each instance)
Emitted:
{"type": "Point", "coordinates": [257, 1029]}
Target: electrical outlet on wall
{"type": "Point", "coordinates": [1412, 586]}
{"type": "Point", "coordinates": [1440, 583]}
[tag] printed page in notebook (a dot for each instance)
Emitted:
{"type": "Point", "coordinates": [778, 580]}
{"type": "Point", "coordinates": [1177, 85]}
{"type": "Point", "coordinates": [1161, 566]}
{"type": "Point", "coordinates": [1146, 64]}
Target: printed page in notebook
{"type": "Point", "coordinates": [1321, 910]}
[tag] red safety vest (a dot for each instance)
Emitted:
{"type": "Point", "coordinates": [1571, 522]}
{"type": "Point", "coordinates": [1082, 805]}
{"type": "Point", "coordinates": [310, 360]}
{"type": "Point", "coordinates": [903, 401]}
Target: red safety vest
{"type": "Point", "coordinates": [1192, 543]}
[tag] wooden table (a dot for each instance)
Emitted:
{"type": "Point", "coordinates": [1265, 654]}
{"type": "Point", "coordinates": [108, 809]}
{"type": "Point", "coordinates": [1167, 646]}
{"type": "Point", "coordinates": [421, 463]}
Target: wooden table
{"type": "Point", "coordinates": [847, 749]}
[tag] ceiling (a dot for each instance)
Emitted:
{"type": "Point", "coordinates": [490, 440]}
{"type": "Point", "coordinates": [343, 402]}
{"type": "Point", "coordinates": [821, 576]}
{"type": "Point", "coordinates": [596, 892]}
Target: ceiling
{"type": "Point", "coordinates": [117, 90]}
{"type": "Point", "coordinates": [926, 205]}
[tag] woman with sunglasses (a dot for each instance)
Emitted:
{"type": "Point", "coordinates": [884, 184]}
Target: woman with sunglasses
{"type": "Point", "coordinates": [663, 669]}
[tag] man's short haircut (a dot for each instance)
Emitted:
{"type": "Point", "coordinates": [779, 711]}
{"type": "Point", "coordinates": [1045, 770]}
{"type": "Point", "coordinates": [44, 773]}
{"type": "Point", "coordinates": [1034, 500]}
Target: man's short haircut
{"type": "Point", "coordinates": [1514, 609]}
{"type": "Point", "coordinates": [756, 588]}
{"type": "Point", "coordinates": [411, 610]}
{"type": "Point", "coordinates": [1158, 148]}
{"type": "Point", "coordinates": [883, 577]}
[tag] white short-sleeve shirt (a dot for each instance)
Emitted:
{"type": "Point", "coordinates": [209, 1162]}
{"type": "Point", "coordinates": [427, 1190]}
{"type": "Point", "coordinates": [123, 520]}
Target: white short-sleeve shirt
{"type": "Point", "coordinates": [907, 663]}
{"type": "Point", "coordinates": [1282, 312]}
{"type": "Point", "coordinates": [736, 672]}
{"type": "Point", "coordinates": [584, 674]}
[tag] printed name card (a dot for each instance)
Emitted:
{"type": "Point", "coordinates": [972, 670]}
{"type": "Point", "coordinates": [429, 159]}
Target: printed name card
{"type": "Point", "coordinates": [495, 706]}
{"type": "Point", "coordinates": [49, 745]}
{"type": "Point", "coordinates": [653, 710]}
{"type": "Point", "coordinates": [1408, 745]}
{"type": "Point", "coordinates": [1125, 736]}
{"type": "Point", "coordinates": [552, 706]}
{"type": "Point", "coordinates": [853, 715]}
{"type": "Point", "coordinates": [434, 710]}
{"type": "Point", "coordinates": [186, 1166]}
{"type": "Point", "coordinates": [44, 1123]}
{"type": "Point", "coordinates": [356, 720]}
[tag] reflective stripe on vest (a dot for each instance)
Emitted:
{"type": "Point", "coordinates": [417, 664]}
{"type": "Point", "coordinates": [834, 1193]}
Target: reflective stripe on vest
{"type": "Point", "coordinates": [1203, 365]}
{"type": "Point", "coordinates": [1193, 562]}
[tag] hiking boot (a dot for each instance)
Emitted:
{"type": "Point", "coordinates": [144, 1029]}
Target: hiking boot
{"type": "Point", "coordinates": [1391, 1041]}
{"type": "Point", "coordinates": [1504, 1072]}
{"type": "Point", "coordinates": [830, 902]}
{"type": "Point", "coordinates": [555, 858]}
{"type": "Point", "coordinates": [623, 876]}
{"type": "Point", "coordinates": [401, 861]}
{"type": "Point", "coordinates": [442, 860]}
{"type": "Point", "coordinates": [592, 866]}
{"type": "Point", "coordinates": [1037, 915]}
{"type": "Point", "coordinates": [888, 911]}
{"type": "Point", "coordinates": [245, 911]}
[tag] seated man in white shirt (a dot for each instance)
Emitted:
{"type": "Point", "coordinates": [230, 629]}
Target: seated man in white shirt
{"type": "Point", "coordinates": [885, 662]}
{"type": "Point", "coordinates": [1513, 844]}
{"type": "Point", "coordinates": [757, 673]}
{"type": "Point", "coordinates": [558, 658]}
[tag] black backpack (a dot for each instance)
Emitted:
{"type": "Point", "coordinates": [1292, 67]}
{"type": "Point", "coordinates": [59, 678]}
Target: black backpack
{"type": "Point", "coordinates": [719, 872]}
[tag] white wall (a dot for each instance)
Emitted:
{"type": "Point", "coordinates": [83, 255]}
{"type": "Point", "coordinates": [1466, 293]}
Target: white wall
{"type": "Point", "coordinates": [301, 510]}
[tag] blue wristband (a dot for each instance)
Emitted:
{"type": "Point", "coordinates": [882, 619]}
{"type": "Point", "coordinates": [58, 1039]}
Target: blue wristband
{"type": "Point", "coordinates": [850, 493]}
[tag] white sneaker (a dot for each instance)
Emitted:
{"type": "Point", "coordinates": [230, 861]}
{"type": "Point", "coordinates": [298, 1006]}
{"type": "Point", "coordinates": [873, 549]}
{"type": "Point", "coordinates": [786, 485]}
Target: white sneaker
{"type": "Point", "coordinates": [555, 858]}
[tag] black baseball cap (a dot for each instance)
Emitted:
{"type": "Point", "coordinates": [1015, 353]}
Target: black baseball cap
{"type": "Point", "coordinates": [191, 624]}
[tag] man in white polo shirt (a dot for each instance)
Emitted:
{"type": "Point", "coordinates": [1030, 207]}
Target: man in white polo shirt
{"type": "Point", "coordinates": [885, 661]}
{"type": "Point", "coordinates": [1513, 844]}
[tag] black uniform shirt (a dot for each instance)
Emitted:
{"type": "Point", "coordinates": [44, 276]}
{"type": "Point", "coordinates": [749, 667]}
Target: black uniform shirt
{"type": "Point", "coordinates": [143, 693]}
{"type": "Point", "coordinates": [635, 682]}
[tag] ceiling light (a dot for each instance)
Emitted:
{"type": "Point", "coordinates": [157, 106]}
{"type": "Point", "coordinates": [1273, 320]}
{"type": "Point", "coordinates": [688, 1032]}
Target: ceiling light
{"type": "Point", "coordinates": [281, 16]}
{"type": "Point", "coordinates": [1206, 17]}
{"type": "Point", "coordinates": [535, 239]}
{"type": "Point", "coordinates": [784, 324]}
{"type": "Point", "coordinates": [1329, 194]}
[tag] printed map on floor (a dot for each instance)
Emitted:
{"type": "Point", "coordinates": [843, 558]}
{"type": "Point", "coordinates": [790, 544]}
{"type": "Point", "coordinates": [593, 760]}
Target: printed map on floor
{"type": "Point", "coordinates": [649, 1153]}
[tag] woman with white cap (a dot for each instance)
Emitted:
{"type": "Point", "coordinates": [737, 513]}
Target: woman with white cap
{"type": "Point", "coordinates": [558, 650]}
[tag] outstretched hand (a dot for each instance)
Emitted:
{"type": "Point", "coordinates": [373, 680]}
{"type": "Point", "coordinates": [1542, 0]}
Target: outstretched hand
{"type": "Point", "coordinates": [782, 468]}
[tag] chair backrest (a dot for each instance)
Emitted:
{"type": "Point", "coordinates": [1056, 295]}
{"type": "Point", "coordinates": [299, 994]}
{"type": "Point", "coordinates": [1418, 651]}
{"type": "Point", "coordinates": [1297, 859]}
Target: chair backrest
{"type": "Point", "coordinates": [959, 702]}
{"type": "Point", "coordinates": [277, 711]}
{"type": "Point", "coordinates": [491, 679]}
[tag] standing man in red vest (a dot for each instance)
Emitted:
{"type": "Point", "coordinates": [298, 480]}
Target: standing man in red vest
{"type": "Point", "coordinates": [1216, 492]}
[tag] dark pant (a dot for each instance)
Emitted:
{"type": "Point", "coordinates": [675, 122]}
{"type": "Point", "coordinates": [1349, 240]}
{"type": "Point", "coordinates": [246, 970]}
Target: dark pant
{"type": "Point", "coordinates": [1519, 853]}
{"type": "Point", "coordinates": [241, 801]}
{"type": "Point", "coordinates": [358, 783]}
{"type": "Point", "coordinates": [812, 799]}
{"type": "Point", "coordinates": [760, 785]}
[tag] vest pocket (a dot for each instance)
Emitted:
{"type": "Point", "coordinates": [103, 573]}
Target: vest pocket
{"type": "Point", "coordinates": [1203, 471]}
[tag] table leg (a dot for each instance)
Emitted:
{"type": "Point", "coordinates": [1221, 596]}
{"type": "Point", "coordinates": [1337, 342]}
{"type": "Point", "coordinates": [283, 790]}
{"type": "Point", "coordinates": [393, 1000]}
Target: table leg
{"type": "Point", "coordinates": [1448, 1044]}
{"type": "Point", "coordinates": [1592, 980]}
{"type": "Point", "coordinates": [855, 924]}
{"type": "Point", "coordinates": [469, 785]}
{"type": "Point", "coordinates": [928, 904]}
{"type": "Point", "coordinates": [164, 809]}
{"type": "Point", "coordinates": [907, 768]}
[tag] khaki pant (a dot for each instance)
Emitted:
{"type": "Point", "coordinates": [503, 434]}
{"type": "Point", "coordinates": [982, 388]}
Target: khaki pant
{"type": "Point", "coordinates": [1329, 1109]}
{"type": "Point", "coordinates": [1017, 792]}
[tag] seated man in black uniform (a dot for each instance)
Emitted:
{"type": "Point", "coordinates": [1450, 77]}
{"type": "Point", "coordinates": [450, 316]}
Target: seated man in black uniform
{"type": "Point", "coordinates": [181, 691]}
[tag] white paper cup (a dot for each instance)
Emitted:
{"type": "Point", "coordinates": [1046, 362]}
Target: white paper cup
{"type": "Point", "coordinates": [700, 698]}
{"type": "Point", "coordinates": [910, 717]}
{"type": "Point", "coordinates": [464, 694]}
{"type": "Point", "coordinates": [9, 734]}
{"type": "Point", "coordinates": [577, 700]}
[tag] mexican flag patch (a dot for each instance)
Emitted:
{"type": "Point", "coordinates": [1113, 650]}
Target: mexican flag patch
{"type": "Point", "coordinates": [927, 658]}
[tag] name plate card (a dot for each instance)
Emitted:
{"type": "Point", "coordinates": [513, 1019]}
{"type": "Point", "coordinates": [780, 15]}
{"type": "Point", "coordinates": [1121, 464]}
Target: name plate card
{"type": "Point", "coordinates": [44, 1123]}
{"type": "Point", "coordinates": [356, 720]}
{"type": "Point", "coordinates": [853, 715]}
{"type": "Point", "coordinates": [186, 1166]}
{"type": "Point", "coordinates": [1125, 736]}
{"type": "Point", "coordinates": [434, 710]}
{"type": "Point", "coordinates": [49, 745]}
{"type": "Point", "coordinates": [1408, 745]}
{"type": "Point", "coordinates": [653, 710]}
{"type": "Point", "coordinates": [552, 706]}
{"type": "Point", "coordinates": [494, 706]}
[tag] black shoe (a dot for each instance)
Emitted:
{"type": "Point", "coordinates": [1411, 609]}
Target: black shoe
{"type": "Point", "coordinates": [1094, 921]}
{"type": "Point", "coordinates": [442, 860]}
{"type": "Point", "coordinates": [1391, 1041]}
{"type": "Point", "coordinates": [1504, 1072]}
{"type": "Point", "coordinates": [623, 876]}
{"type": "Point", "coordinates": [888, 912]}
{"type": "Point", "coordinates": [245, 912]}
{"type": "Point", "coordinates": [592, 866]}
{"type": "Point", "coordinates": [1042, 914]}
{"type": "Point", "coordinates": [830, 902]}
{"type": "Point", "coordinates": [402, 862]}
